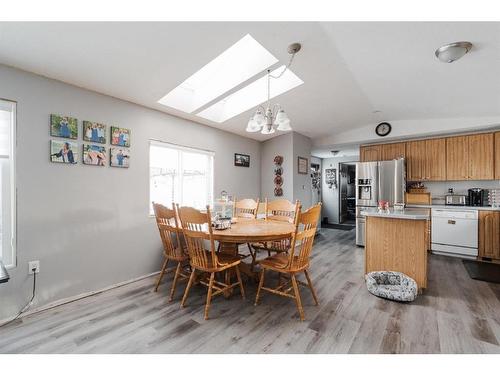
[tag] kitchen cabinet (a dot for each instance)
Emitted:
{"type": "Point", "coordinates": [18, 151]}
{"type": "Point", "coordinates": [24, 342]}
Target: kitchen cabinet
{"type": "Point", "coordinates": [481, 157]}
{"type": "Point", "coordinates": [392, 151]}
{"type": "Point", "coordinates": [415, 160]}
{"type": "Point", "coordinates": [370, 153]}
{"type": "Point", "coordinates": [489, 234]}
{"type": "Point", "coordinates": [470, 157]}
{"type": "Point", "coordinates": [497, 156]}
{"type": "Point", "coordinates": [435, 162]}
{"type": "Point", "coordinates": [457, 156]}
{"type": "Point", "coordinates": [426, 160]}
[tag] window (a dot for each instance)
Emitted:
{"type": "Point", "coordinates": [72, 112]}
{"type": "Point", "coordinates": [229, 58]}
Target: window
{"type": "Point", "coordinates": [7, 187]}
{"type": "Point", "coordinates": [234, 66]}
{"type": "Point", "coordinates": [180, 174]}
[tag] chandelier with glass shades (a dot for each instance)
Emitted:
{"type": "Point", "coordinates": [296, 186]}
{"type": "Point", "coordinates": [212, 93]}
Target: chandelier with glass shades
{"type": "Point", "coordinates": [268, 120]}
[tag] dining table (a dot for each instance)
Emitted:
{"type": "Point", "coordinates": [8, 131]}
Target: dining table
{"type": "Point", "coordinates": [244, 230]}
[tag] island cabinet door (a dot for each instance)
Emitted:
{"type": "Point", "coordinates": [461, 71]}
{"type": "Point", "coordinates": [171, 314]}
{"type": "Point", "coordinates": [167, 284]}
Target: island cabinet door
{"type": "Point", "coordinates": [481, 158]}
{"type": "Point", "coordinates": [457, 158]}
{"type": "Point", "coordinates": [416, 160]}
{"type": "Point", "coordinates": [489, 234]}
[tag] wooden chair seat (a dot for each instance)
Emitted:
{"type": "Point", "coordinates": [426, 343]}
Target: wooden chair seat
{"type": "Point", "coordinates": [279, 262]}
{"type": "Point", "coordinates": [275, 246]}
{"type": "Point", "coordinates": [224, 261]}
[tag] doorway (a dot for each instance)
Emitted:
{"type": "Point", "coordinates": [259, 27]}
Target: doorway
{"type": "Point", "coordinates": [347, 196]}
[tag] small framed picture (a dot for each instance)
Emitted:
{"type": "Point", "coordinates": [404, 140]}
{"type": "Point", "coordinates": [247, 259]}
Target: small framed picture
{"type": "Point", "coordinates": [120, 136]}
{"type": "Point", "coordinates": [63, 152]}
{"type": "Point", "coordinates": [303, 165]}
{"type": "Point", "coordinates": [120, 157]}
{"type": "Point", "coordinates": [63, 126]}
{"type": "Point", "coordinates": [241, 160]}
{"type": "Point", "coordinates": [94, 155]}
{"type": "Point", "coordinates": [94, 132]}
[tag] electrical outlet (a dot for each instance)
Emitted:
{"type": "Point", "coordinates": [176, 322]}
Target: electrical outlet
{"type": "Point", "coordinates": [34, 264]}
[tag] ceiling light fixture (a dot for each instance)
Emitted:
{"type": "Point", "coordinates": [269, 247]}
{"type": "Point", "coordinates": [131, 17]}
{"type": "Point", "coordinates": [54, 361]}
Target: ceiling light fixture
{"type": "Point", "coordinates": [453, 51]}
{"type": "Point", "coordinates": [268, 120]}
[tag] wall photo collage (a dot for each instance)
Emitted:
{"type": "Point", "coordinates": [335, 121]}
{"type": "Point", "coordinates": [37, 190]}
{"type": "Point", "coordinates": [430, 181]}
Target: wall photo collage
{"type": "Point", "coordinates": [66, 151]}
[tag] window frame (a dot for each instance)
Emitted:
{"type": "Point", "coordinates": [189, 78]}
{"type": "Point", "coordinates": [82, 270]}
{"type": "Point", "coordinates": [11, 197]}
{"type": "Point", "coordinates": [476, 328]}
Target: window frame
{"type": "Point", "coordinates": [12, 262]}
{"type": "Point", "coordinates": [159, 143]}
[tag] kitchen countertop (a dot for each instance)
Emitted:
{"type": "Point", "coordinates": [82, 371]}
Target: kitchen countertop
{"type": "Point", "coordinates": [408, 213]}
{"type": "Point", "coordinates": [480, 208]}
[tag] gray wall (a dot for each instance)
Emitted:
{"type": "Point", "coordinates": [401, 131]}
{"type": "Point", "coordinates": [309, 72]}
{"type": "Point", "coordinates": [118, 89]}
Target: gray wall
{"type": "Point", "coordinates": [88, 225]}
{"type": "Point", "coordinates": [331, 196]}
{"type": "Point", "coordinates": [295, 185]}
{"type": "Point", "coordinates": [281, 145]}
{"type": "Point", "coordinates": [302, 182]}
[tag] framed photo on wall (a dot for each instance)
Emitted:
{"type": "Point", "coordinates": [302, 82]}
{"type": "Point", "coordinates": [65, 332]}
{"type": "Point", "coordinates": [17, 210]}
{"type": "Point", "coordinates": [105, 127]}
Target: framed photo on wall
{"type": "Point", "coordinates": [241, 160]}
{"type": "Point", "coordinates": [63, 126]}
{"type": "Point", "coordinates": [303, 165]}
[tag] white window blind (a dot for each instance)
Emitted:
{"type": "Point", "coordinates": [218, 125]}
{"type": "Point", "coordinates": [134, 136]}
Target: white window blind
{"type": "Point", "coordinates": [180, 174]}
{"type": "Point", "coordinates": [7, 189]}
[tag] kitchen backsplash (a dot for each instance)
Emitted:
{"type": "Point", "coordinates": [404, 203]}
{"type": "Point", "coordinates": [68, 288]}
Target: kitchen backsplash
{"type": "Point", "coordinates": [439, 189]}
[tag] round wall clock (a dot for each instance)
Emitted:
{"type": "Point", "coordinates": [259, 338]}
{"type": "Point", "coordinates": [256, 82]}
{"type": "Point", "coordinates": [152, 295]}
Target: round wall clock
{"type": "Point", "coordinates": [383, 129]}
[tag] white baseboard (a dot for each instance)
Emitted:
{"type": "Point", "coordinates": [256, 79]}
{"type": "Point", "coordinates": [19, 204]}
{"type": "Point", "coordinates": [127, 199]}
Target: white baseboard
{"type": "Point", "coordinates": [64, 301]}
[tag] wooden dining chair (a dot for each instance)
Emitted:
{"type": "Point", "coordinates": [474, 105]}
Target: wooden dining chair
{"type": "Point", "coordinates": [279, 210]}
{"type": "Point", "coordinates": [197, 229]}
{"type": "Point", "coordinates": [173, 248]}
{"type": "Point", "coordinates": [245, 208]}
{"type": "Point", "coordinates": [295, 262]}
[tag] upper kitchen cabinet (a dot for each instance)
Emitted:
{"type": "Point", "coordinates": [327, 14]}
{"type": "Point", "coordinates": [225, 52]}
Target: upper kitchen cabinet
{"type": "Point", "coordinates": [426, 160]}
{"type": "Point", "coordinates": [370, 153]}
{"type": "Point", "coordinates": [457, 156]}
{"type": "Point", "coordinates": [435, 151]}
{"type": "Point", "coordinates": [415, 161]}
{"type": "Point", "coordinates": [481, 157]}
{"type": "Point", "coordinates": [392, 151]}
{"type": "Point", "coordinates": [497, 156]}
{"type": "Point", "coordinates": [470, 157]}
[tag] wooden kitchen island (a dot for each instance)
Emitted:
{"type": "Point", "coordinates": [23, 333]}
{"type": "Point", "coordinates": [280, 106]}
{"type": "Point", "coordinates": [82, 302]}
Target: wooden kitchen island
{"type": "Point", "coordinates": [397, 241]}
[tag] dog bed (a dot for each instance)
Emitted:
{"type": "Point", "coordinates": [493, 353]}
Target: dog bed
{"type": "Point", "coordinates": [391, 285]}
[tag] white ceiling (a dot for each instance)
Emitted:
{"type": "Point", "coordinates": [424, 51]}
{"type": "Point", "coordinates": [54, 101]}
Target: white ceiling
{"type": "Point", "coordinates": [349, 69]}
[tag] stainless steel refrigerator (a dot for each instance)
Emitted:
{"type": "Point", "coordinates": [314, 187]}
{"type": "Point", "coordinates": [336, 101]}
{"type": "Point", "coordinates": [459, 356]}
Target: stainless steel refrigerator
{"type": "Point", "coordinates": [375, 181]}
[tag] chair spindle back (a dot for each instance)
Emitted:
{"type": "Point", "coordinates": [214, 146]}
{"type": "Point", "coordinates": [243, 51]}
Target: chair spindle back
{"type": "Point", "coordinates": [197, 228]}
{"type": "Point", "coordinates": [166, 219]}
{"type": "Point", "coordinates": [282, 210]}
{"type": "Point", "coordinates": [303, 239]}
{"type": "Point", "coordinates": [246, 208]}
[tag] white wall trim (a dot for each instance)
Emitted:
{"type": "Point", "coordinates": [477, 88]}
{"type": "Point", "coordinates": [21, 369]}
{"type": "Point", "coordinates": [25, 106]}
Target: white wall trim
{"type": "Point", "coordinates": [67, 300]}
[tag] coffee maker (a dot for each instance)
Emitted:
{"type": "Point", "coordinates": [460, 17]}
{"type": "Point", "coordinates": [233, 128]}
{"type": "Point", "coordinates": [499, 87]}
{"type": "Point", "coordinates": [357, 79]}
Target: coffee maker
{"type": "Point", "coordinates": [476, 197]}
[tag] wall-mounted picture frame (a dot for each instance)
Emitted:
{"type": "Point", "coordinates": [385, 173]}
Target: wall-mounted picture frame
{"type": "Point", "coordinates": [94, 132]}
{"type": "Point", "coordinates": [241, 160]}
{"type": "Point", "coordinates": [119, 157]}
{"type": "Point", "coordinates": [120, 136]}
{"type": "Point", "coordinates": [94, 155]}
{"type": "Point", "coordinates": [303, 165]}
{"type": "Point", "coordinates": [63, 126]}
{"type": "Point", "coordinates": [64, 152]}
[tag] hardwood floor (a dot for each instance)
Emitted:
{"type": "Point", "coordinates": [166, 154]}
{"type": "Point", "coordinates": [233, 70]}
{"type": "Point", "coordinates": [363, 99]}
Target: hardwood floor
{"type": "Point", "coordinates": [455, 315]}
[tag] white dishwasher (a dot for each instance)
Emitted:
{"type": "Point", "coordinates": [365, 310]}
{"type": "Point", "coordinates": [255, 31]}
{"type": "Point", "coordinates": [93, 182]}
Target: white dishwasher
{"type": "Point", "coordinates": [455, 232]}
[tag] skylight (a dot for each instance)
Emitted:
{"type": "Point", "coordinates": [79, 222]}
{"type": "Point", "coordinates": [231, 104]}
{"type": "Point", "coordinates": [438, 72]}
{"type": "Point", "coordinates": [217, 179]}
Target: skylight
{"type": "Point", "coordinates": [238, 63]}
{"type": "Point", "coordinates": [250, 96]}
